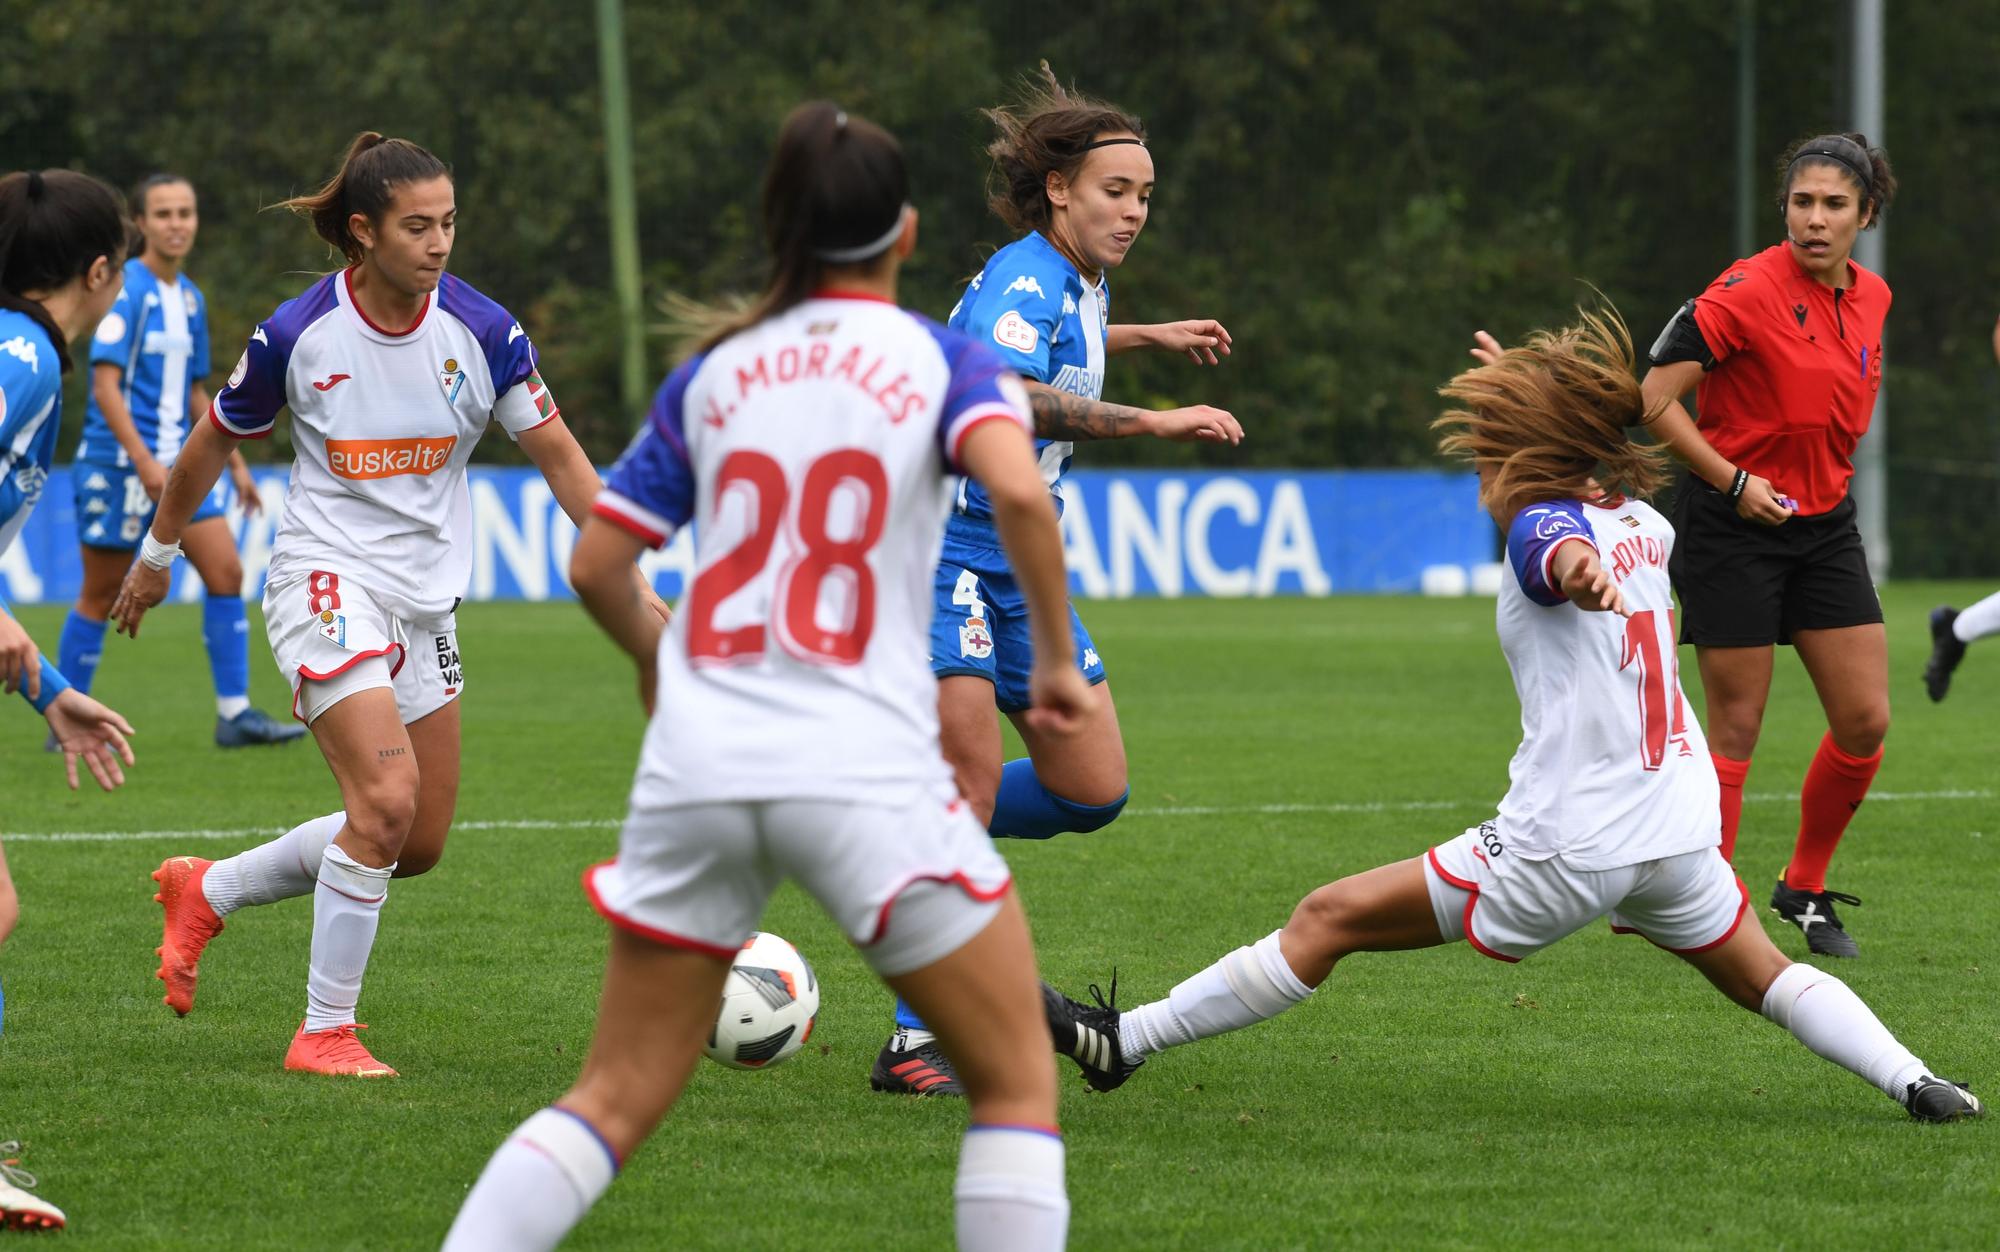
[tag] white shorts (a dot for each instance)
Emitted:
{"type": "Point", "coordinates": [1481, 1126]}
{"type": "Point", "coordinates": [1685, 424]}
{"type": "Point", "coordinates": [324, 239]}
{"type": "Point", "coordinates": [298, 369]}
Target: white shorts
{"type": "Point", "coordinates": [323, 627]}
{"type": "Point", "coordinates": [1508, 908]}
{"type": "Point", "coordinates": [908, 883]}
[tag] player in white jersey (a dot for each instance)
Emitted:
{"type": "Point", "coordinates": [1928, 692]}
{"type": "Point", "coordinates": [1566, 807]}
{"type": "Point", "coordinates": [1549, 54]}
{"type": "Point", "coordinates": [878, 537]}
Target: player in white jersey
{"type": "Point", "coordinates": [62, 239]}
{"type": "Point", "coordinates": [148, 364]}
{"type": "Point", "coordinates": [392, 369]}
{"type": "Point", "coordinates": [1074, 176]}
{"type": "Point", "coordinates": [796, 735]}
{"type": "Point", "coordinates": [1612, 808]}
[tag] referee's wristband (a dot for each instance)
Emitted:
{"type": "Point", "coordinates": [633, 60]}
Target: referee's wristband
{"type": "Point", "coordinates": [157, 555]}
{"type": "Point", "coordinates": [1736, 487]}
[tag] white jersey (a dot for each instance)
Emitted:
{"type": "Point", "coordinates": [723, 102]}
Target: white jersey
{"type": "Point", "coordinates": [383, 425]}
{"type": "Point", "coordinates": [812, 451]}
{"type": "Point", "coordinates": [1612, 769]}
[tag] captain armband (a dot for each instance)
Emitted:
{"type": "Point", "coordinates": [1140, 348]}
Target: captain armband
{"type": "Point", "coordinates": [1681, 340]}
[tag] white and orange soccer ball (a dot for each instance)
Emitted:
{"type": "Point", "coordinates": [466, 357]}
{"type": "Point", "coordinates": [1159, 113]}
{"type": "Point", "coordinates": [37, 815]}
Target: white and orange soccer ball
{"type": "Point", "coordinates": [769, 1004]}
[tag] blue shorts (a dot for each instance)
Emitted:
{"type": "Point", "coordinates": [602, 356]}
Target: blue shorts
{"type": "Point", "coordinates": [113, 509]}
{"type": "Point", "coordinates": [980, 625]}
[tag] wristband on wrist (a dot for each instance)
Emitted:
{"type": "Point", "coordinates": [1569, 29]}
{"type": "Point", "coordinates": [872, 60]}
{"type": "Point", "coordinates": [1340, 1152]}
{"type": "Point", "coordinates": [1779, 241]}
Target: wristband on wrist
{"type": "Point", "coordinates": [1735, 488]}
{"type": "Point", "coordinates": [53, 685]}
{"type": "Point", "coordinates": [157, 555]}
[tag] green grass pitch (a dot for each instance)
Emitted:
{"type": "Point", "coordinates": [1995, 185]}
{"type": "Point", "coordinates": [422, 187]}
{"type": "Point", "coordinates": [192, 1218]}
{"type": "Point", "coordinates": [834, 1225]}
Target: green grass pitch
{"type": "Point", "coordinates": [1598, 1095]}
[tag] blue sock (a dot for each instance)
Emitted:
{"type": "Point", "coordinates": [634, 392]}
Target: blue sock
{"type": "Point", "coordinates": [80, 649]}
{"type": "Point", "coordinates": [225, 628]}
{"type": "Point", "coordinates": [1024, 809]}
{"type": "Point", "coordinates": [906, 1017]}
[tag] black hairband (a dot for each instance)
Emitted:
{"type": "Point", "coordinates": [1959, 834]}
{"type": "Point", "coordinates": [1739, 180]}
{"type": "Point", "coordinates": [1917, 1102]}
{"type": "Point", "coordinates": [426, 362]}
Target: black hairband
{"type": "Point", "coordinates": [1105, 143]}
{"type": "Point", "coordinates": [1860, 176]}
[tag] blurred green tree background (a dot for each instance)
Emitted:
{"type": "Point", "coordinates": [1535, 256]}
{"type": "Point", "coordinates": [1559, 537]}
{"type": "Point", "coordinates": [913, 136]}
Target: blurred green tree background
{"type": "Point", "coordinates": [1351, 187]}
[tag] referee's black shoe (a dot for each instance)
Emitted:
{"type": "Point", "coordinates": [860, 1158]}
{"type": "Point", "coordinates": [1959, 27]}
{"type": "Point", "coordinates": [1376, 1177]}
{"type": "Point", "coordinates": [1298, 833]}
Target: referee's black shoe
{"type": "Point", "coordinates": [1812, 912]}
{"type": "Point", "coordinates": [1946, 653]}
{"type": "Point", "coordinates": [1941, 1100]}
{"type": "Point", "coordinates": [1088, 1034]}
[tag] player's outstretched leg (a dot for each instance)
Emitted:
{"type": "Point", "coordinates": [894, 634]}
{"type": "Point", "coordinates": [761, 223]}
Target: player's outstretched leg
{"type": "Point", "coordinates": [1824, 1014]}
{"type": "Point", "coordinates": [1946, 652]}
{"type": "Point", "coordinates": [196, 895]}
{"type": "Point", "coordinates": [1380, 910]}
{"type": "Point", "coordinates": [20, 1209]}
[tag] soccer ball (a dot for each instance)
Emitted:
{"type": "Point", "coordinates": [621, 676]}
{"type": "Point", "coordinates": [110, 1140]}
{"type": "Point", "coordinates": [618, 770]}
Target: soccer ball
{"type": "Point", "coordinates": [769, 1004]}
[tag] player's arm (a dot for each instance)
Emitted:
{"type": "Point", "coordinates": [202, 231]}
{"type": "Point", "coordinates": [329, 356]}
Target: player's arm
{"type": "Point", "coordinates": [1702, 334]}
{"type": "Point", "coordinates": [107, 387]}
{"type": "Point", "coordinates": [574, 482]}
{"type": "Point", "coordinates": [199, 464]}
{"type": "Point", "coordinates": [84, 729]}
{"type": "Point", "coordinates": [1201, 338]}
{"type": "Point", "coordinates": [1061, 415]}
{"type": "Point", "coordinates": [1581, 576]}
{"type": "Point", "coordinates": [239, 469]}
{"type": "Point", "coordinates": [1000, 456]}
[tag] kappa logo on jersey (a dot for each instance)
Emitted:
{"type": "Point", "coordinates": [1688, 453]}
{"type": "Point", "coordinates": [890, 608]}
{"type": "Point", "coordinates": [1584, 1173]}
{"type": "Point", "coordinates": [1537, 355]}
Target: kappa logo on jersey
{"type": "Point", "coordinates": [453, 377]}
{"type": "Point", "coordinates": [1027, 282]}
{"type": "Point", "coordinates": [21, 350]}
{"type": "Point", "coordinates": [449, 669]}
{"type": "Point", "coordinates": [1090, 658]}
{"type": "Point", "coordinates": [96, 482]}
{"type": "Point", "coordinates": [1016, 332]}
{"type": "Point", "coordinates": [362, 459]}
{"type": "Point", "coordinates": [331, 381]}
{"type": "Point", "coordinates": [1069, 305]}
{"type": "Point", "coordinates": [975, 639]}
{"type": "Point", "coordinates": [94, 506]}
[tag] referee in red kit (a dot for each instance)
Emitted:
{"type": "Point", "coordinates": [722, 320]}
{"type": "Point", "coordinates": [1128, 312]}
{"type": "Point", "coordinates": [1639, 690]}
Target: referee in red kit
{"type": "Point", "coordinates": [1785, 348]}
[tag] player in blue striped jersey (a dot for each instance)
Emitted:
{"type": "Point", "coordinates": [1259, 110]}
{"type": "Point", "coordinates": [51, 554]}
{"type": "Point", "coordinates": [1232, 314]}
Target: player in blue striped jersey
{"type": "Point", "coordinates": [1075, 177]}
{"type": "Point", "coordinates": [147, 363]}
{"type": "Point", "coordinates": [61, 240]}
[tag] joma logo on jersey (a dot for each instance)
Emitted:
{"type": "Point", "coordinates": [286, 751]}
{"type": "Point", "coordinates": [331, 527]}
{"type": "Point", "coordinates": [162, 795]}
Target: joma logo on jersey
{"type": "Point", "coordinates": [361, 459]}
{"type": "Point", "coordinates": [1027, 282]}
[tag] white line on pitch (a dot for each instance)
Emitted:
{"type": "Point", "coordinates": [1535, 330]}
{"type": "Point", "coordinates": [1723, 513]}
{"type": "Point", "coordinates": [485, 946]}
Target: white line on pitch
{"type": "Point", "coordinates": [1184, 810]}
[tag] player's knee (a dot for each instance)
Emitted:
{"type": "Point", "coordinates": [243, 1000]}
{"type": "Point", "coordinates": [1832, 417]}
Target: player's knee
{"type": "Point", "coordinates": [1861, 732]}
{"type": "Point", "coordinates": [1325, 921]}
{"type": "Point", "coordinates": [225, 580]}
{"type": "Point", "coordinates": [382, 812]}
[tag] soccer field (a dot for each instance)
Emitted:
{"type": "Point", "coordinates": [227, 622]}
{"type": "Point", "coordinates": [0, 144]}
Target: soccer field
{"type": "Point", "coordinates": [1598, 1094]}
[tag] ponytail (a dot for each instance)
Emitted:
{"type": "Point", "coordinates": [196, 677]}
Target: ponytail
{"type": "Point", "coordinates": [364, 184]}
{"type": "Point", "coordinates": [54, 224]}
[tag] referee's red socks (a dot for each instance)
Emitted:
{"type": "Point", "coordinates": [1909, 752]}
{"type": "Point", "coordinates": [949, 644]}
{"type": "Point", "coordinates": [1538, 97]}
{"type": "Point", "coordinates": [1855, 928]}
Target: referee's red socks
{"type": "Point", "coordinates": [1836, 784]}
{"type": "Point", "coordinates": [1731, 774]}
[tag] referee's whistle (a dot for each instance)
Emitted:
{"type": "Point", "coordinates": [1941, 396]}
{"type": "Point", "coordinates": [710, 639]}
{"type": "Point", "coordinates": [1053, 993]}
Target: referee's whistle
{"type": "Point", "coordinates": [1789, 503]}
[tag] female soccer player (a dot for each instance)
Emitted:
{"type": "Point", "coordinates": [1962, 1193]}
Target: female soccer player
{"type": "Point", "coordinates": [1952, 629]}
{"type": "Point", "coordinates": [392, 369]}
{"type": "Point", "coordinates": [147, 362]}
{"type": "Point", "coordinates": [62, 238]}
{"type": "Point", "coordinates": [1612, 806]}
{"type": "Point", "coordinates": [808, 438]}
{"type": "Point", "coordinates": [1075, 177]}
{"type": "Point", "coordinates": [1786, 347]}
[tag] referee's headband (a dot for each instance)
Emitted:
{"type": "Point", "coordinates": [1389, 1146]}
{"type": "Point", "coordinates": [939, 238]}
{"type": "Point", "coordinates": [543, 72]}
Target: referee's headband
{"type": "Point", "coordinates": [1841, 151]}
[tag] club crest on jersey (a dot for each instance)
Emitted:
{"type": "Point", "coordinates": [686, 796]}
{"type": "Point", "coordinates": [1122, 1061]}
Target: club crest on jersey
{"type": "Point", "coordinates": [1027, 282]}
{"type": "Point", "coordinates": [453, 379]}
{"type": "Point", "coordinates": [242, 369]}
{"type": "Point", "coordinates": [974, 639]}
{"type": "Point", "coordinates": [333, 626]}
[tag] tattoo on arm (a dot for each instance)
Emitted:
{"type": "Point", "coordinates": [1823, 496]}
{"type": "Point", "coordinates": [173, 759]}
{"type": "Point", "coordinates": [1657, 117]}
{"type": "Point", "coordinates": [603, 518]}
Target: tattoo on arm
{"type": "Point", "coordinates": [1060, 415]}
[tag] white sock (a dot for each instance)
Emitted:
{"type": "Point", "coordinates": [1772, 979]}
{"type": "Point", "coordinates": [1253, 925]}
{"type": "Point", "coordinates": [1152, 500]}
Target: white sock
{"type": "Point", "coordinates": [1831, 1020]}
{"type": "Point", "coordinates": [1010, 1191]}
{"type": "Point", "coordinates": [909, 1039]}
{"type": "Point", "coordinates": [285, 867]}
{"type": "Point", "coordinates": [227, 707]}
{"type": "Point", "coordinates": [1245, 987]}
{"type": "Point", "coordinates": [347, 905]}
{"type": "Point", "coordinates": [535, 1188]}
{"type": "Point", "coordinates": [1979, 620]}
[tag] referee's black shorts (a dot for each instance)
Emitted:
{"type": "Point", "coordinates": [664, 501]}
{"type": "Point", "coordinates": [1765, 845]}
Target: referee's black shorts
{"type": "Point", "coordinates": [1746, 585]}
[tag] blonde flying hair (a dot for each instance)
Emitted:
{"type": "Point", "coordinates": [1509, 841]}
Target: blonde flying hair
{"type": "Point", "coordinates": [1553, 416]}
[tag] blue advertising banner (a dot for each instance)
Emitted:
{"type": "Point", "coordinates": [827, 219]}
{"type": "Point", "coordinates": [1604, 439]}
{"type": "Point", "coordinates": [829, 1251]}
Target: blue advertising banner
{"type": "Point", "coordinates": [1126, 533]}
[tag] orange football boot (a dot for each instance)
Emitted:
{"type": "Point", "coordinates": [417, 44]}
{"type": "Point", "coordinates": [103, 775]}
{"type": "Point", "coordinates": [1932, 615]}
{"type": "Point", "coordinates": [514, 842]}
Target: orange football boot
{"type": "Point", "coordinates": [190, 924]}
{"type": "Point", "coordinates": [334, 1051]}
